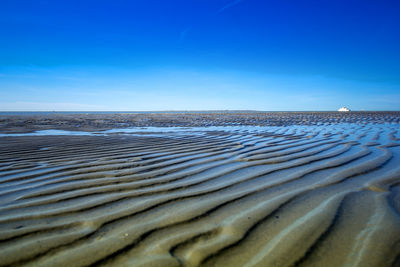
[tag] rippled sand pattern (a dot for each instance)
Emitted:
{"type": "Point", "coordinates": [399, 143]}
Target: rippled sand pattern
{"type": "Point", "coordinates": [291, 196]}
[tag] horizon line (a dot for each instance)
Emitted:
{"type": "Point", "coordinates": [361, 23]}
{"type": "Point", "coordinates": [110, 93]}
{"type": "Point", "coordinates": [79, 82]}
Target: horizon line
{"type": "Point", "coordinates": [206, 110]}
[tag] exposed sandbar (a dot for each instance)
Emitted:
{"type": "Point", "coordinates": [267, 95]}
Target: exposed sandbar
{"type": "Point", "coordinates": [314, 189]}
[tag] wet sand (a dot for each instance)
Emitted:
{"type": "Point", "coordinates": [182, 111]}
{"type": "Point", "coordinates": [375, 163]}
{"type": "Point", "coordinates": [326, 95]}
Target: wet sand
{"type": "Point", "coordinates": [308, 189]}
{"type": "Point", "coordinates": [96, 122]}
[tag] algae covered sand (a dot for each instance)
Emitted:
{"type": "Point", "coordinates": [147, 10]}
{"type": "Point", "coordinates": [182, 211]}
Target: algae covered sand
{"type": "Point", "coordinates": [300, 189]}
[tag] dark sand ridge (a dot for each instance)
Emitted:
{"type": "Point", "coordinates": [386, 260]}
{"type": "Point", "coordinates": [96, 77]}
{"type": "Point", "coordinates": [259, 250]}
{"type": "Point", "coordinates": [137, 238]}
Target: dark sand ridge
{"type": "Point", "coordinates": [318, 195]}
{"type": "Point", "coordinates": [128, 184]}
{"type": "Point", "coordinates": [96, 122]}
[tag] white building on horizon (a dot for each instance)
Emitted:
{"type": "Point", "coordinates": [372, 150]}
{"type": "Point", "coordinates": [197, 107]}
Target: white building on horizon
{"type": "Point", "coordinates": [343, 109]}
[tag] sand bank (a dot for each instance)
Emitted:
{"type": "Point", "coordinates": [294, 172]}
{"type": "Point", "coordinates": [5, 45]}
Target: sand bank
{"type": "Point", "coordinates": [99, 122]}
{"type": "Point", "coordinates": [311, 194]}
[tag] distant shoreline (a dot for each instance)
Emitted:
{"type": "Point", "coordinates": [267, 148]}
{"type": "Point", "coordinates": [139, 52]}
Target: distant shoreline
{"type": "Point", "coordinates": [2, 113]}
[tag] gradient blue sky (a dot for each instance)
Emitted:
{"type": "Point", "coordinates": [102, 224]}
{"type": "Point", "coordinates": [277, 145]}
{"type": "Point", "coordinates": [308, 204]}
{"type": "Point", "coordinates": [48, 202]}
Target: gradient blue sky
{"type": "Point", "coordinates": [199, 55]}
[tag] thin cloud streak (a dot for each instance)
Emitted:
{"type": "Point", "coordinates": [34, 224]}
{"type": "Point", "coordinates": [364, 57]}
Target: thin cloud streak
{"type": "Point", "coordinates": [231, 4]}
{"type": "Point", "coordinates": [182, 34]}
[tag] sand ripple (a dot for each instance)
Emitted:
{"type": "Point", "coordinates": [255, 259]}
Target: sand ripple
{"type": "Point", "coordinates": [290, 196]}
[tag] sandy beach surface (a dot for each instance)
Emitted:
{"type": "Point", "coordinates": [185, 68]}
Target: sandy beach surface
{"type": "Point", "coordinates": [200, 189]}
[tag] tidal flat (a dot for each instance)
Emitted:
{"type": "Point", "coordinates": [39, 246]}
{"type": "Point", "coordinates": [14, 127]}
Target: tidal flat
{"type": "Point", "coordinates": [200, 189]}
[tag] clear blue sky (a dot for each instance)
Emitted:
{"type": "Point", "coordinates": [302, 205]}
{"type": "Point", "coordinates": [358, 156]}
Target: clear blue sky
{"type": "Point", "coordinates": [199, 55]}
